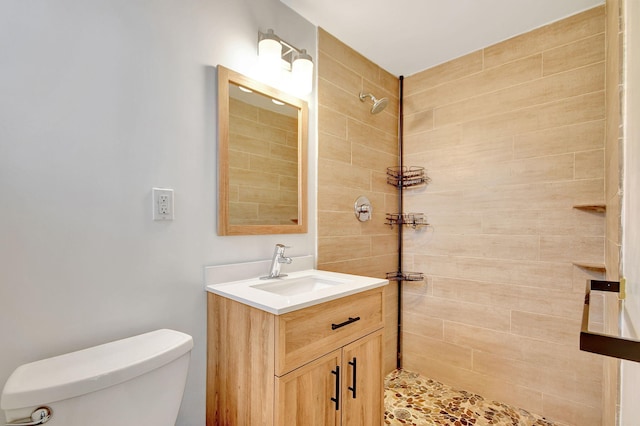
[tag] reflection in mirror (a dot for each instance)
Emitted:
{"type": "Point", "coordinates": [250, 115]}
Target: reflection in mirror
{"type": "Point", "coordinates": [262, 158]}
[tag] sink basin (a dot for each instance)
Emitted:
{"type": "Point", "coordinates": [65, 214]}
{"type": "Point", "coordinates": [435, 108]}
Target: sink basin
{"type": "Point", "coordinates": [301, 285]}
{"type": "Point", "coordinates": [300, 289]}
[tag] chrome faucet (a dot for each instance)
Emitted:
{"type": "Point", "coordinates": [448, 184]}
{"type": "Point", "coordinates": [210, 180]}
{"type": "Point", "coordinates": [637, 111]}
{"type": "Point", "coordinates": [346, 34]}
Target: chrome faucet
{"type": "Point", "coordinates": [278, 258]}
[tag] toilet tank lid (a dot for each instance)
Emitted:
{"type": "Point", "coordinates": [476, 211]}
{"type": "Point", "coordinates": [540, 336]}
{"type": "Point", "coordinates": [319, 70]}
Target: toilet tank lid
{"type": "Point", "coordinates": [92, 369]}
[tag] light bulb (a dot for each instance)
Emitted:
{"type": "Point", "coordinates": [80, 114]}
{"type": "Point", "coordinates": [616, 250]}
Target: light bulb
{"type": "Point", "coordinates": [302, 73]}
{"type": "Point", "coordinates": [270, 53]}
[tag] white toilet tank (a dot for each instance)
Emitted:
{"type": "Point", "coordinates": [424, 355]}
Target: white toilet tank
{"type": "Point", "coordinates": [135, 381]}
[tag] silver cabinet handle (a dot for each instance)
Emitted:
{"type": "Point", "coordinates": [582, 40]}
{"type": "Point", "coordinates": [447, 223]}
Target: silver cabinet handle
{"type": "Point", "coordinates": [39, 416]}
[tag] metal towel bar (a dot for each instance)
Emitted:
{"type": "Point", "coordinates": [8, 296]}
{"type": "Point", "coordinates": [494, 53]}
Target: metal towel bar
{"type": "Point", "coordinates": [606, 344]}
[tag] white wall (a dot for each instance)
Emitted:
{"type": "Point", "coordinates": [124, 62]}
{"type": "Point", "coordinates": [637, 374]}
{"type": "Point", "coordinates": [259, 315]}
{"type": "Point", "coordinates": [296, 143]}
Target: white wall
{"type": "Point", "coordinates": [630, 371]}
{"type": "Point", "coordinates": [100, 101]}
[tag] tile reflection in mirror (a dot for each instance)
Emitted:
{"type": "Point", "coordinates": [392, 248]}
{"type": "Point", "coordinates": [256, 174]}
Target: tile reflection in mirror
{"type": "Point", "coordinates": [262, 158]}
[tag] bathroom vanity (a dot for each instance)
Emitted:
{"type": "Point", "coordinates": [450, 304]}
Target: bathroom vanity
{"type": "Point", "coordinates": [313, 359]}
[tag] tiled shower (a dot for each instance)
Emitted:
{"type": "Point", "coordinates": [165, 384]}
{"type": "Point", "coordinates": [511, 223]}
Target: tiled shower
{"type": "Point", "coordinates": [512, 138]}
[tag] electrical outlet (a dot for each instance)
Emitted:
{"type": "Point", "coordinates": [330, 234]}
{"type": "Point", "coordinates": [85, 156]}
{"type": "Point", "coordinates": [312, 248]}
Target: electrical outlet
{"type": "Point", "coordinates": [162, 204]}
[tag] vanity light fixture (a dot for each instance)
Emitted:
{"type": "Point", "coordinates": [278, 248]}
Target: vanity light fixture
{"type": "Point", "coordinates": [275, 54]}
{"type": "Point", "coordinates": [269, 51]}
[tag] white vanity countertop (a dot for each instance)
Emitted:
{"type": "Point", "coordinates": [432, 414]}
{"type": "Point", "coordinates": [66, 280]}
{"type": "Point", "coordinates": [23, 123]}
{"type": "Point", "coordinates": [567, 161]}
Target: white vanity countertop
{"type": "Point", "coordinates": [244, 291]}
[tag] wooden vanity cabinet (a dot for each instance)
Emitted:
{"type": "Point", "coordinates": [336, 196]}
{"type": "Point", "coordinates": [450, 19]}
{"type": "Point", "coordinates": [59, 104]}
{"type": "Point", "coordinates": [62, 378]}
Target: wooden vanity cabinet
{"type": "Point", "coordinates": [304, 396]}
{"type": "Point", "coordinates": [364, 405]}
{"type": "Point", "coordinates": [320, 365]}
{"type": "Point", "coordinates": [312, 395]}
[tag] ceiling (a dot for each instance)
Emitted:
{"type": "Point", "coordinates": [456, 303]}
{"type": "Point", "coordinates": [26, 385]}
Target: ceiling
{"type": "Point", "coordinates": [408, 36]}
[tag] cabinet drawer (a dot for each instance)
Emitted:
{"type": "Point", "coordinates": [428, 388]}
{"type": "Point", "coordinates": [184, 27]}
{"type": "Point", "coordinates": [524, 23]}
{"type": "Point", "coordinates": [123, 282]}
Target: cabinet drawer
{"type": "Point", "coordinates": [306, 334]}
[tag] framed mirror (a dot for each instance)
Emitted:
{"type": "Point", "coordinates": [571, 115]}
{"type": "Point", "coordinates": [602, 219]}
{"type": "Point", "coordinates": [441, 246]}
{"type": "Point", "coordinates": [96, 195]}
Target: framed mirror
{"type": "Point", "coordinates": [262, 158]}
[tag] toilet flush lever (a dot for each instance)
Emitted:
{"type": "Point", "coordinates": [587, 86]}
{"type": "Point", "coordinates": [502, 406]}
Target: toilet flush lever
{"type": "Point", "coordinates": [39, 416]}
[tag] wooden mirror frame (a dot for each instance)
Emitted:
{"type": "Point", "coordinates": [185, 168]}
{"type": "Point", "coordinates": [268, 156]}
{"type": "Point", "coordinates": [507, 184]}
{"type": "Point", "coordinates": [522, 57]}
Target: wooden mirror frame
{"type": "Point", "coordinates": [225, 227]}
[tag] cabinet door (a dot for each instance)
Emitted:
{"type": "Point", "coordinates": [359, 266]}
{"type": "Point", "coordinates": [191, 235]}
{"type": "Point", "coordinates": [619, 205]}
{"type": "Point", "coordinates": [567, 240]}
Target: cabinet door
{"type": "Point", "coordinates": [363, 403]}
{"type": "Point", "coordinates": [311, 394]}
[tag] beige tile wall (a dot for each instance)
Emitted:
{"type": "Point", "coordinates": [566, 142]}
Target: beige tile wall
{"type": "Point", "coordinates": [613, 184]}
{"type": "Point", "coordinates": [354, 150]}
{"type": "Point", "coordinates": [613, 133]}
{"type": "Point", "coordinates": [263, 166]}
{"type": "Point", "coordinates": [512, 137]}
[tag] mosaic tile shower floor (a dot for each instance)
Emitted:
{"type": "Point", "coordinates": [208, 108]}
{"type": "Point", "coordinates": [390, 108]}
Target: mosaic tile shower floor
{"type": "Point", "coordinates": [411, 399]}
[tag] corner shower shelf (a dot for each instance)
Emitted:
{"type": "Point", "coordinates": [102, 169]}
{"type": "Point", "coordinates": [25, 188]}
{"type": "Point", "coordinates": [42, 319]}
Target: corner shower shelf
{"type": "Point", "coordinates": [599, 208]}
{"type": "Point", "coordinates": [600, 267]}
{"type": "Point", "coordinates": [405, 276]}
{"type": "Point", "coordinates": [405, 177]}
{"type": "Point", "coordinates": [415, 220]}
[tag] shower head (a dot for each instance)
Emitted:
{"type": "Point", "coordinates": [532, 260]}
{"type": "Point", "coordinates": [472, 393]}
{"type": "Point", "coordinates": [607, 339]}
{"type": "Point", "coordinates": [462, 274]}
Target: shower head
{"type": "Point", "coordinates": [378, 104]}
